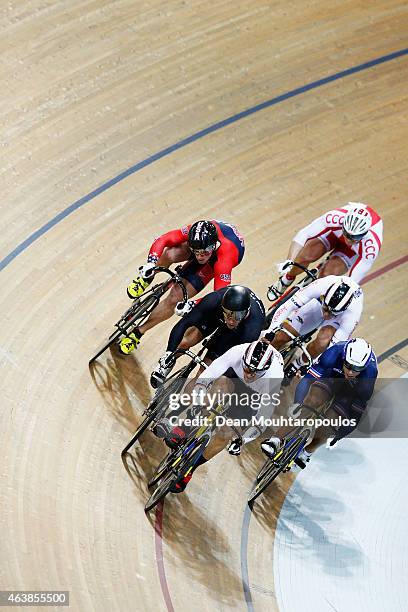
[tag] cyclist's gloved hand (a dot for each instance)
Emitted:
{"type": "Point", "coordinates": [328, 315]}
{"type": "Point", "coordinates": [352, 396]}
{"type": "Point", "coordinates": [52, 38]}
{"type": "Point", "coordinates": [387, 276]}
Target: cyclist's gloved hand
{"type": "Point", "coordinates": [234, 447]}
{"type": "Point", "coordinates": [147, 271]}
{"type": "Point", "coordinates": [269, 336]}
{"type": "Point", "coordinates": [183, 308]}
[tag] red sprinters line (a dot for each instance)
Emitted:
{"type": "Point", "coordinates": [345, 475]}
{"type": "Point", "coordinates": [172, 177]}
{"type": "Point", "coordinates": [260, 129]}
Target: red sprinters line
{"type": "Point", "coordinates": [384, 269]}
{"type": "Point", "coordinates": [158, 531]}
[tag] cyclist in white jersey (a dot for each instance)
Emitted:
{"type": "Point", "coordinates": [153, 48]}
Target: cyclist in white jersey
{"type": "Point", "coordinates": [332, 304]}
{"type": "Point", "coordinates": [248, 377]}
{"type": "Point", "coordinates": [351, 234]}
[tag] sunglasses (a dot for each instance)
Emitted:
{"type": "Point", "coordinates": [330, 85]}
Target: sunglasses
{"type": "Point", "coordinates": [353, 368]}
{"type": "Point", "coordinates": [237, 315]}
{"type": "Point", "coordinates": [203, 252]}
{"type": "Point", "coordinates": [356, 238]}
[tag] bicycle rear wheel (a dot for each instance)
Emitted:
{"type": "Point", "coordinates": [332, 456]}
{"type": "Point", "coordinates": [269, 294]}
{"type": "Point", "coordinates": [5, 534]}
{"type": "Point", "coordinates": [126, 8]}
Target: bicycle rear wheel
{"type": "Point", "coordinates": [174, 472]}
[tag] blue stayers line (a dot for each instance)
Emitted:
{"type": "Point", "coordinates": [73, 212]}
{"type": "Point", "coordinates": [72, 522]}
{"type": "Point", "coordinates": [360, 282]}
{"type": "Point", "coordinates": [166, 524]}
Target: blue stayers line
{"type": "Point", "coordinates": [247, 512]}
{"type": "Point", "coordinates": [186, 141]}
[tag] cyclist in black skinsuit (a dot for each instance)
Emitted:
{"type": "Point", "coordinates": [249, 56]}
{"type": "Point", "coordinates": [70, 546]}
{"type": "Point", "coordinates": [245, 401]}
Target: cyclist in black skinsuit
{"type": "Point", "coordinates": [235, 311]}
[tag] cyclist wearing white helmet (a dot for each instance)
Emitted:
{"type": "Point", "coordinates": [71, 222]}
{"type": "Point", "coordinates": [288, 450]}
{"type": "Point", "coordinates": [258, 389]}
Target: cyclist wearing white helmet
{"type": "Point", "coordinates": [243, 375]}
{"type": "Point", "coordinates": [352, 235]}
{"type": "Point", "coordinates": [331, 304]}
{"type": "Point", "coordinates": [347, 373]}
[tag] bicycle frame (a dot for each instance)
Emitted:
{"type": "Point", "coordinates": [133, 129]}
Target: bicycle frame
{"type": "Point", "coordinates": [156, 292]}
{"type": "Point", "coordinates": [298, 342]}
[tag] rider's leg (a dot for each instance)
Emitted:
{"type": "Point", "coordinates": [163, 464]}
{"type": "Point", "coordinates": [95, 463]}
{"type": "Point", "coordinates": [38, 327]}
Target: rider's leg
{"type": "Point", "coordinates": [315, 397]}
{"type": "Point", "coordinates": [165, 308]}
{"type": "Point", "coordinates": [313, 250]}
{"type": "Point", "coordinates": [222, 435]}
{"type": "Point", "coordinates": [322, 433]}
{"type": "Point", "coordinates": [281, 338]}
{"type": "Point", "coordinates": [322, 341]}
{"type": "Point", "coordinates": [334, 265]}
{"type": "Point", "coordinates": [173, 255]}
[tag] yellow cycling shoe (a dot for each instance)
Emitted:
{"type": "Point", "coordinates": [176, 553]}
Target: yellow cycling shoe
{"type": "Point", "coordinates": [128, 344]}
{"type": "Point", "coordinates": [136, 288]}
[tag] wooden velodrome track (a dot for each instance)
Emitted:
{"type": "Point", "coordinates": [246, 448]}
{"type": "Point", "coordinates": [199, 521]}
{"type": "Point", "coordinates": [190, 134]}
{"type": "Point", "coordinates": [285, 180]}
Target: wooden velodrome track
{"type": "Point", "coordinates": [90, 89]}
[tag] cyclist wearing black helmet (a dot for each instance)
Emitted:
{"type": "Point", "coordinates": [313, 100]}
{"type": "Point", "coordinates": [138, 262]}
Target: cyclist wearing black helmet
{"type": "Point", "coordinates": [237, 313]}
{"type": "Point", "coordinates": [210, 250]}
{"type": "Point", "coordinates": [332, 304]}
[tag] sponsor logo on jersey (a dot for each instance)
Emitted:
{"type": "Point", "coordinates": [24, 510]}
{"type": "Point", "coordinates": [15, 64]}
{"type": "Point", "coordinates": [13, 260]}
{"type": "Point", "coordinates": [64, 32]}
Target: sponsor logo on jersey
{"type": "Point", "coordinates": [184, 230]}
{"type": "Point", "coordinates": [225, 277]}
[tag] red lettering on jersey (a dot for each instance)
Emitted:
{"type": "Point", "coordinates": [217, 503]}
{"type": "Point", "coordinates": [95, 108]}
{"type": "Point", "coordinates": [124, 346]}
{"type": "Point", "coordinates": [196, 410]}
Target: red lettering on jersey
{"type": "Point", "coordinates": [370, 251]}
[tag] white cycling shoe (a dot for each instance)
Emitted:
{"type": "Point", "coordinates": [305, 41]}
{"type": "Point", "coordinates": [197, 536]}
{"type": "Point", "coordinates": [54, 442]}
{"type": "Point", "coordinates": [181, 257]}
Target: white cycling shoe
{"type": "Point", "coordinates": [278, 288]}
{"type": "Point", "coordinates": [162, 370]}
{"type": "Point", "coordinates": [303, 459]}
{"type": "Point", "coordinates": [270, 446]}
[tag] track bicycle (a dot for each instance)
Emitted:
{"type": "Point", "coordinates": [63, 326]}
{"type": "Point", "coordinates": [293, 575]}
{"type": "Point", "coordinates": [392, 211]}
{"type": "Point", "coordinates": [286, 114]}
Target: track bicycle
{"type": "Point", "coordinates": [179, 462]}
{"type": "Point", "coordinates": [174, 384]}
{"type": "Point", "coordinates": [292, 445]}
{"type": "Point", "coordinates": [310, 276]}
{"type": "Point", "coordinates": [142, 307]}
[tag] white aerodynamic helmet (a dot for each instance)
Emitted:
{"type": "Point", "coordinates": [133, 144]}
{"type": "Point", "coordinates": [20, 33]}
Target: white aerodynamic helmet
{"type": "Point", "coordinates": [357, 221]}
{"type": "Point", "coordinates": [357, 355]}
{"type": "Point", "coordinates": [339, 295]}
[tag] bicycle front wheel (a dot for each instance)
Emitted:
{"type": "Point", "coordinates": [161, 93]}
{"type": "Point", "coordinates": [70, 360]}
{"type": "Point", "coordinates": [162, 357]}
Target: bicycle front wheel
{"type": "Point", "coordinates": [271, 469]}
{"type": "Point", "coordinates": [113, 338]}
{"type": "Point", "coordinates": [161, 491]}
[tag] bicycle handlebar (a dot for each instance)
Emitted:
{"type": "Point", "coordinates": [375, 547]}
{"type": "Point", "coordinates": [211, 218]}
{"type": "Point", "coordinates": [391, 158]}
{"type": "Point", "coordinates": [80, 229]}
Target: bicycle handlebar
{"type": "Point", "coordinates": [309, 273]}
{"type": "Point", "coordinates": [174, 276]}
{"type": "Point", "coordinates": [299, 343]}
{"type": "Point", "coordinates": [196, 357]}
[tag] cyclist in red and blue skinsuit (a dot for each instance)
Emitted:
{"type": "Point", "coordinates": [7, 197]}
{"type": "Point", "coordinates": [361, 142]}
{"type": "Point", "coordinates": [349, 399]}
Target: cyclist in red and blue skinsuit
{"type": "Point", "coordinates": [199, 271]}
{"type": "Point", "coordinates": [210, 250]}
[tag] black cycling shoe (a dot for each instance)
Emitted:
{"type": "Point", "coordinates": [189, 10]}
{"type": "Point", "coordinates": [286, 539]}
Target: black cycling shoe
{"type": "Point", "coordinates": [176, 437]}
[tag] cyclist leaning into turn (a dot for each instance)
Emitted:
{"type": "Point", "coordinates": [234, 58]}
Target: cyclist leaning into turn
{"type": "Point", "coordinates": [235, 311]}
{"type": "Point", "coordinates": [332, 304]}
{"type": "Point", "coordinates": [352, 235]}
{"type": "Point", "coordinates": [345, 372]}
{"type": "Point", "coordinates": [251, 371]}
{"type": "Point", "coordinates": [210, 250]}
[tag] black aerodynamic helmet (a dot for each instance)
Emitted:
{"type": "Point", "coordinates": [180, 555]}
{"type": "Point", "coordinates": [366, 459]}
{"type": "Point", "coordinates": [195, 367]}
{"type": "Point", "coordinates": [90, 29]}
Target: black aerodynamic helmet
{"type": "Point", "coordinates": [236, 302]}
{"type": "Point", "coordinates": [202, 236]}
